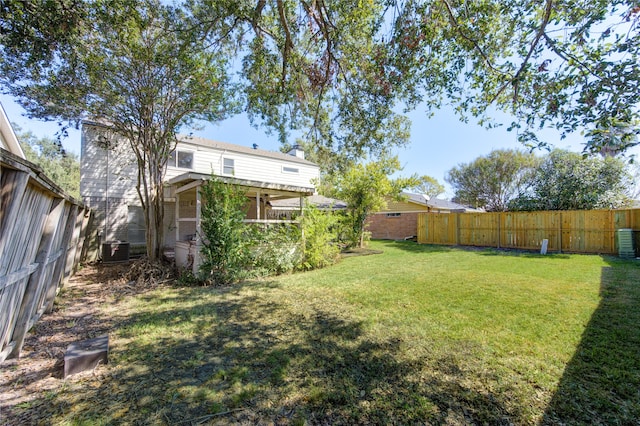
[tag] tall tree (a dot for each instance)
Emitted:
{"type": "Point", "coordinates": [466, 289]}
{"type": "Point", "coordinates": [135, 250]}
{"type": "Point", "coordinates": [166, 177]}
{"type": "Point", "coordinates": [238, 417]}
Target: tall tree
{"type": "Point", "coordinates": [365, 188]}
{"type": "Point", "coordinates": [493, 180]}
{"type": "Point", "coordinates": [146, 69]}
{"type": "Point", "coordinates": [429, 186]}
{"type": "Point", "coordinates": [61, 167]}
{"type": "Point", "coordinates": [140, 68]}
{"type": "Point", "coordinates": [568, 181]}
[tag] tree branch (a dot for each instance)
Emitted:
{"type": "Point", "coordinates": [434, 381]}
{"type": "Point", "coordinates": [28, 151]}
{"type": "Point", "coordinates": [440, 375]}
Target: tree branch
{"type": "Point", "coordinates": [568, 57]}
{"type": "Point", "coordinates": [288, 43]}
{"type": "Point", "coordinates": [475, 44]}
{"type": "Point", "coordinates": [534, 44]}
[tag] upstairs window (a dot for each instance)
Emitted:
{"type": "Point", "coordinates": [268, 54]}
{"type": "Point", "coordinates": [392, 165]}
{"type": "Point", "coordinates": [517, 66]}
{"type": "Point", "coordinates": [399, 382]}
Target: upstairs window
{"type": "Point", "coordinates": [393, 214]}
{"type": "Point", "coordinates": [286, 169]}
{"type": "Point", "coordinates": [181, 159]}
{"type": "Point", "coordinates": [228, 166]}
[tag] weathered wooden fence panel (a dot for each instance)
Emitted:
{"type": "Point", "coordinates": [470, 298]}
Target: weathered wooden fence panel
{"type": "Point", "coordinates": [581, 231]}
{"type": "Point", "coordinates": [41, 231]}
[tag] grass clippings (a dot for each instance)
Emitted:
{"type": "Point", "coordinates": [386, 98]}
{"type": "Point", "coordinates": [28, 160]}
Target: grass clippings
{"type": "Point", "coordinates": [419, 334]}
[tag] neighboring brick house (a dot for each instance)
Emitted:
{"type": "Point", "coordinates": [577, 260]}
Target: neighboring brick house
{"type": "Point", "coordinates": [399, 220]}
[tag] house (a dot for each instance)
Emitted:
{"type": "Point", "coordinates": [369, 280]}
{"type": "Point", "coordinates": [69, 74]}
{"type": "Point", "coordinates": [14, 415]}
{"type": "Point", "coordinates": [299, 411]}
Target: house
{"type": "Point", "coordinates": [400, 219]}
{"type": "Point", "coordinates": [8, 140]}
{"type": "Point", "coordinates": [109, 174]}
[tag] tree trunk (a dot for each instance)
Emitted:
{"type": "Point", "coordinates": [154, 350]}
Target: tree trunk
{"type": "Point", "coordinates": [154, 218]}
{"type": "Point", "coordinates": [153, 205]}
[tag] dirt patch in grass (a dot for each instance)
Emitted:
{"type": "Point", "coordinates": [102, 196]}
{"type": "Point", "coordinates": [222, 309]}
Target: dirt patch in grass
{"type": "Point", "coordinates": [77, 315]}
{"type": "Point", "coordinates": [359, 252]}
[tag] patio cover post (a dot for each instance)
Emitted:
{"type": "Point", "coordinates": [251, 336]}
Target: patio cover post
{"type": "Point", "coordinates": [177, 216]}
{"type": "Point", "coordinates": [258, 204]}
{"type": "Point", "coordinates": [198, 215]}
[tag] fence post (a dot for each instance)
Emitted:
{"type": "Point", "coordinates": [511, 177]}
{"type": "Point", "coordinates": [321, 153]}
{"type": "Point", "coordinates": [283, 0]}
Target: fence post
{"type": "Point", "coordinates": [499, 216]}
{"type": "Point", "coordinates": [560, 232]}
{"type": "Point", "coordinates": [82, 241]}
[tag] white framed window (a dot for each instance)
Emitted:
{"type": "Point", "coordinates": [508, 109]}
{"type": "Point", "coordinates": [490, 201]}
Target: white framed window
{"type": "Point", "coordinates": [228, 166]}
{"type": "Point", "coordinates": [181, 159]}
{"type": "Point", "coordinates": [393, 214]}
{"type": "Point", "coordinates": [287, 169]}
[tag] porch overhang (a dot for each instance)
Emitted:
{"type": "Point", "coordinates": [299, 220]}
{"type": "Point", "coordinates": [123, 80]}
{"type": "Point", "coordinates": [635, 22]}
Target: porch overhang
{"type": "Point", "coordinates": [190, 180]}
{"type": "Point", "coordinates": [188, 209]}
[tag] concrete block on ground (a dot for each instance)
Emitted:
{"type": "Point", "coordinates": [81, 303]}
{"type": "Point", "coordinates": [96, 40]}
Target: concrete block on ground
{"type": "Point", "coordinates": [85, 355]}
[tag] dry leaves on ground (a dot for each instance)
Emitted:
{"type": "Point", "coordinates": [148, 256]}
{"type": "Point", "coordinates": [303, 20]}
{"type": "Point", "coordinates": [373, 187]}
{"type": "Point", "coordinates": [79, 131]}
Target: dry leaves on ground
{"type": "Point", "coordinates": [75, 317]}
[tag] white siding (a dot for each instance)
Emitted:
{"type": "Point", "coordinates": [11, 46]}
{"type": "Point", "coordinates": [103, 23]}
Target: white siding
{"type": "Point", "coordinates": [113, 174]}
{"type": "Point", "coordinates": [104, 171]}
{"type": "Point", "coordinates": [250, 167]}
{"type": "Point", "coordinates": [115, 170]}
{"type": "Point", "coordinates": [8, 139]}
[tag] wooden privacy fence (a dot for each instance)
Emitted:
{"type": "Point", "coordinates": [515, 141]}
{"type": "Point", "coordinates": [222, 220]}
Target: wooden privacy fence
{"type": "Point", "coordinates": [579, 231]}
{"type": "Point", "coordinates": [42, 236]}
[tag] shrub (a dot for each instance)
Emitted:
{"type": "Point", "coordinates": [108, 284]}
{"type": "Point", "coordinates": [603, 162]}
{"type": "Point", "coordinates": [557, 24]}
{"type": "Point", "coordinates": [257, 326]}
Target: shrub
{"type": "Point", "coordinates": [232, 250]}
{"type": "Point", "coordinates": [273, 249]}
{"type": "Point", "coordinates": [320, 234]}
{"type": "Point", "coordinates": [224, 249]}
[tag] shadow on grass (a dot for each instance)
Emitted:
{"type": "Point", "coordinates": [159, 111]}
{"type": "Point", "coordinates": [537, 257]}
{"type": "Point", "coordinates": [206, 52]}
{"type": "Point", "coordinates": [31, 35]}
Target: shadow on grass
{"type": "Point", "coordinates": [413, 247]}
{"type": "Point", "coordinates": [601, 384]}
{"type": "Point", "coordinates": [529, 254]}
{"type": "Point", "coordinates": [254, 359]}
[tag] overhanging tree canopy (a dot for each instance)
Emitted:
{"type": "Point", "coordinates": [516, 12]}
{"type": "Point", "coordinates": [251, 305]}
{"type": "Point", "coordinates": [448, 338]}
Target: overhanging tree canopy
{"type": "Point", "coordinates": [338, 68]}
{"type": "Point", "coordinates": [311, 67]}
{"type": "Point", "coordinates": [569, 64]}
{"type": "Point", "coordinates": [137, 67]}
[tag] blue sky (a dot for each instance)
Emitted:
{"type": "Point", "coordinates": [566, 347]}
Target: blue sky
{"type": "Point", "coordinates": [437, 143]}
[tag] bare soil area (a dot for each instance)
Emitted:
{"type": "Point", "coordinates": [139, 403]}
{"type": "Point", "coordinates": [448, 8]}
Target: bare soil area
{"type": "Point", "coordinates": [76, 316]}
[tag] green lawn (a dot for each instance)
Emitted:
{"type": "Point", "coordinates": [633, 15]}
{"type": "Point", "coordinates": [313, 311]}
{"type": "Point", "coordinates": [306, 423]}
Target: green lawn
{"type": "Point", "coordinates": [419, 334]}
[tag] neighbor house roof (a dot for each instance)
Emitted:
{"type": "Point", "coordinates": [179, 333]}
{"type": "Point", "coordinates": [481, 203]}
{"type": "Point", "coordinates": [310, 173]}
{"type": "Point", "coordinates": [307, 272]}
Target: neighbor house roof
{"type": "Point", "coordinates": [436, 203]}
